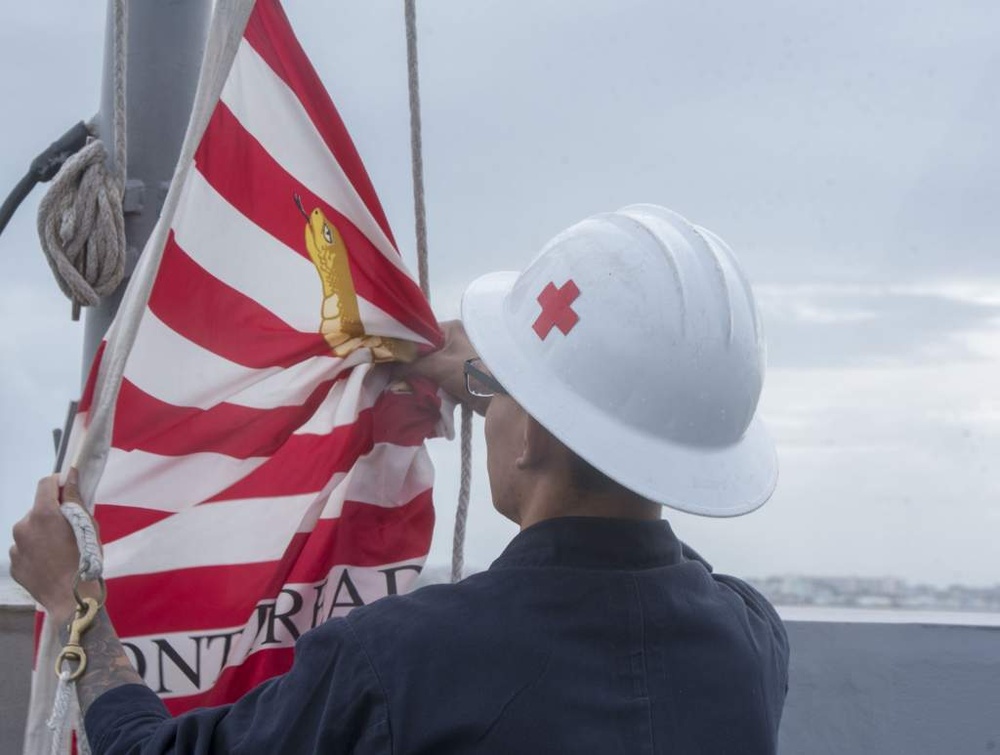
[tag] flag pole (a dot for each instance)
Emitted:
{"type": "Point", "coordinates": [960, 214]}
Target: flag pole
{"type": "Point", "coordinates": [163, 46]}
{"type": "Point", "coordinates": [152, 63]}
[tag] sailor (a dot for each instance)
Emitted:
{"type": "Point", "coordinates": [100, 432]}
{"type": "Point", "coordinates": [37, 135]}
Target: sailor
{"type": "Point", "coordinates": [619, 374]}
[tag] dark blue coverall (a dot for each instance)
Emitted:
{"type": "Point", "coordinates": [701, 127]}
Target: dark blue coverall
{"type": "Point", "coordinates": [586, 636]}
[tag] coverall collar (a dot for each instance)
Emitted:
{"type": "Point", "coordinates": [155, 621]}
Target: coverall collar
{"type": "Point", "coordinates": [595, 543]}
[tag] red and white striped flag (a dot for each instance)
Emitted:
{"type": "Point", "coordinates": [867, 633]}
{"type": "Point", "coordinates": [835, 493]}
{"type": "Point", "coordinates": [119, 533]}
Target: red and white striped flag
{"type": "Point", "coordinates": [264, 472]}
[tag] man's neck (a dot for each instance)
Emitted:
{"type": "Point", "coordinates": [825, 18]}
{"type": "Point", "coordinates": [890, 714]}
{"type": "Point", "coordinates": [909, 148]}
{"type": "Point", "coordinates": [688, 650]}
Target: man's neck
{"type": "Point", "coordinates": [572, 502]}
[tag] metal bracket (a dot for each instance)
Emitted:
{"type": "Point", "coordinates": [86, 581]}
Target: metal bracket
{"type": "Point", "coordinates": [62, 436]}
{"type": "Point", "coordinates": [134, 199]}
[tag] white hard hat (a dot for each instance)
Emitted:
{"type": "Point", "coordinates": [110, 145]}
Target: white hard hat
{"type": "Point", "coordinates": [633, 337]}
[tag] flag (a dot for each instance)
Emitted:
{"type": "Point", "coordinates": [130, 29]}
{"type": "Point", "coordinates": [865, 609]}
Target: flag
{"type": "Point", "coordinates": [264, 471]}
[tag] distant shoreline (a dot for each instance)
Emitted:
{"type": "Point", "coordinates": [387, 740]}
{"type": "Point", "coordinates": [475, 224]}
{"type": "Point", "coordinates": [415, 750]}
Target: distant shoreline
{"type": "Point", "coordinates": [789, 591]}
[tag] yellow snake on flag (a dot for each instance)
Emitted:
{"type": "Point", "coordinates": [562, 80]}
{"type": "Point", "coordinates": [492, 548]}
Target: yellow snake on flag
{"type": "Point", "coordinates": [341, 324]}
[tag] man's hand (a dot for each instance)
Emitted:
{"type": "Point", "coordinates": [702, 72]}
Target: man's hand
{"type": "Point", "coordinates": [44, 558]}
{"type": "Point", "coordinates": [446, 365]}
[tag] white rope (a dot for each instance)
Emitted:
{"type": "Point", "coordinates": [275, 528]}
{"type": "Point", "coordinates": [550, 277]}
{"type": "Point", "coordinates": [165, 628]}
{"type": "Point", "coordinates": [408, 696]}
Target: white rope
{"type": "Point", "coordinates": [91, 567]}
{"type": "Point", "coordinates": [465, 484]}
{"type": "Point", "coordinates": [80, 221]}
{"type": "Point", "coordinates": [416, 147]}
{"type": "Point", "coordinates": [420, 215]}
{"type": "Point", "coordinates": [60, 711]}
{"type": "Point", "coordinates": [120, 81]}
{"type": "Point", "coordinates": [81, 228]}
{"type": "Point", "coordinates": [91, 560]}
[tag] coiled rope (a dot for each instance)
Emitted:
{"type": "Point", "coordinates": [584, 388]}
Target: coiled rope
{"type": "Point", "coordinates": [80, 221]}
{"type": "Point", "coordinates": [82, 231]}
{"type": "Point", "coordinates": [420, 215]}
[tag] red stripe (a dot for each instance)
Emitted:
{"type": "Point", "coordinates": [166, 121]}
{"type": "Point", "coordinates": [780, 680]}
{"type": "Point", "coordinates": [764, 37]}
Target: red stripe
{"type": "Point", "coordinates": [264, 192]}
{"type": "Point", "coordinates": [217, 317]}
{"type": "Point", "coordinates": [144, 422]}
{"type": "Point", "coordinates": [206, 597]}
{"type": "Point", "coordinates": [271, 36]}
{"type": "Point", "coordinates": [223, 596]}
{"type": "Point", "coordinates": [407, 419]}
{"type": "Point", "coordinates": [87, 397]}
{"type": "Point", "coordinates": [366, 535]}
{"type": "Point", "coordinates": [236, 681]}
{"type": "Point", "coordinates": [305, 463]}
{"type": "Point", "coordinates": [118, 521]}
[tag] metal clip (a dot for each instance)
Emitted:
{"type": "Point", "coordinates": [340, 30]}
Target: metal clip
{"type": "Point", "coordinates": [80, 604]}
{"type": "Point", "coordinates": [73, 652]}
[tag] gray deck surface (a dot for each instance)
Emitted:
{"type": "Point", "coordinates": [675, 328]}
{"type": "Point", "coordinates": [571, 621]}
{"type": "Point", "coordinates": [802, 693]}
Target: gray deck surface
{"type": "Point", "coordinates": [869, 686]}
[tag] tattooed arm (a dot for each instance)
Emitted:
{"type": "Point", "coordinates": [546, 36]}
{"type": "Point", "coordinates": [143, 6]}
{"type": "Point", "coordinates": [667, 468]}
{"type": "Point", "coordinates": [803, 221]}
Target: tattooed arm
{"type": "Point", "coordinates": [331, 701]}
{"type": "Point", "coordinates": [44, 559]}
{"type": "Point", "coordinates": [107, 665]}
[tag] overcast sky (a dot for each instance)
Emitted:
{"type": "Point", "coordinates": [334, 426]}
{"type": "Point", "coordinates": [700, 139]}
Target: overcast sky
{"type": "Point", "coordinates": [847, 151]}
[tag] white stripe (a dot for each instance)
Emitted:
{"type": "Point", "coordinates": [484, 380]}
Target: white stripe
{"type": "Point", "coordinates": [230, 532]}
{"type": "Point", "coordinates": [174, 483]}
{"type": "Point", "coordinates": [370, 582]}
{"type": "Point", "coordinates": [387, 476]}
{"type": "Point", "coordinates": [173, 369]}
{"type": "Point", "coordinates": [240, 531]}
{"type": "Point", "coordinates": [258, 529]}
{"type": "Point", "coordinates": [346, 399]}
{"type": "Point", "coordinates": [378, 322]}
{"type": "Point", "coordinates": [230, 247]}
{"type": "Point", "coordinates": [242, 255]}
{"type": "Point", "coordinates": [77, 432]}
{"type": "Point", "coordinates": [169, 483]}
{"type": "Point", "coordinates": [205, 649]}
{"type": "Point", "coordinates": [269, 110]}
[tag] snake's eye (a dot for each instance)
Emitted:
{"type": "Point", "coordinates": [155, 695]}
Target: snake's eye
{"type": "Point", "coordinates": [327, 234]}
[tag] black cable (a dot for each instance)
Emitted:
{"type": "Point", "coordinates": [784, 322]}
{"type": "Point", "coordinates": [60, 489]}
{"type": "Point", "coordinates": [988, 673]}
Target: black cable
{"type": "Point", "coordinates": [13, 201]}
{"type": "Point", "coordinates": [44, 168]}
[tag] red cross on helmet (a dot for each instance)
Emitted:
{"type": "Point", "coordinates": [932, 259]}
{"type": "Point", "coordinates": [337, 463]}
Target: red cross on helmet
{"type": "Point", "coordinates": [634, 338]}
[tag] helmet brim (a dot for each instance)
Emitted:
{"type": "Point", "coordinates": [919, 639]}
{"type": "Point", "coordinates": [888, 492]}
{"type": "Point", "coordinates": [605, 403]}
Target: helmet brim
{"type": "Point", "coordinates": [712, 481]}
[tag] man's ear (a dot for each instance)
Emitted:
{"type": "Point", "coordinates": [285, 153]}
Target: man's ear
{"type": "Point", "coordinates": [538, 445]}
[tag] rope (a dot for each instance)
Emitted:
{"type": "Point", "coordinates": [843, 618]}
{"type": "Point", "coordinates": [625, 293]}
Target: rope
{"type": "Point", "coordinates": [60, 712]}
{"type": "Point", "coordinates": [420, 214]}
{"type": "Point", "coordinates": [91, 560]}
{"type": "Point", "coordinates": [81, 228]}
{"type": "Point", "coordinates": [416, 147]}
{"type": "Point", "coordinates": [121, 36]}
{"type": "Point", "coordinates": [465, 484]}
{"type": "Point", "coordinates": [80, 221]}
{"type": "Point", "coordinates": [91, 567]}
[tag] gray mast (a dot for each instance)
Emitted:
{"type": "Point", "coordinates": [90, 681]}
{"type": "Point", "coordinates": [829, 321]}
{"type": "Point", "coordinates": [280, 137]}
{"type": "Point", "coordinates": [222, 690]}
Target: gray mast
{"type": "Point", "coordinates": [164, 47]}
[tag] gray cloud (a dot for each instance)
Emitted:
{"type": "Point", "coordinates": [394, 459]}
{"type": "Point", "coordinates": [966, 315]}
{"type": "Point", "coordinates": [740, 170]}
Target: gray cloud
{"type": "Point", "coordinates": [876, 326]}
{"type": "Point", "coordinates": [846, 151]}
